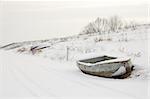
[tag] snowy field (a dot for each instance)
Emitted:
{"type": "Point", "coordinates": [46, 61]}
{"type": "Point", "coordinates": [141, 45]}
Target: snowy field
{"type": "Point", "coordinates": [30, 76]}
{"type": "Point", "coordinates": [46, 73]}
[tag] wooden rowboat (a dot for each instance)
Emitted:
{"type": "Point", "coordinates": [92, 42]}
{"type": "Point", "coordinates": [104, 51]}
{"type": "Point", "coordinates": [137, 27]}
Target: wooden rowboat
{"type": "Point", "coordinates": [106, 66]}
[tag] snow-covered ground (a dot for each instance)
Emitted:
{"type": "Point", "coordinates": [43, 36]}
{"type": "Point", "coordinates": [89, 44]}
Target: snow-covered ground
{"type": "Point", "coordinates": [47, 73]}
{"type": "Point", "coordinates": [127, 43]}
{"type": "Point", "coordinates": [30, 76]}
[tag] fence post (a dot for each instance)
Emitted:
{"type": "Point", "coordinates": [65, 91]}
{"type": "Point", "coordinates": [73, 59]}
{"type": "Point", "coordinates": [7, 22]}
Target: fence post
{"type": "Point", "coordinates": [67, 56]}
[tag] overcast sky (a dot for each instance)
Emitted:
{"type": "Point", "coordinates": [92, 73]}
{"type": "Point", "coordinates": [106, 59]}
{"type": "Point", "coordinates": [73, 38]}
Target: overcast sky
{"type": "Point", "coordinates": [36, 19]}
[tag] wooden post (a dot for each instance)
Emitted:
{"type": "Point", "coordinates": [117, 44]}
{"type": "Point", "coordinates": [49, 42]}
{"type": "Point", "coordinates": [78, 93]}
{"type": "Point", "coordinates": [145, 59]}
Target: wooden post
{"type": "Point", "coordinates": [67, 56]}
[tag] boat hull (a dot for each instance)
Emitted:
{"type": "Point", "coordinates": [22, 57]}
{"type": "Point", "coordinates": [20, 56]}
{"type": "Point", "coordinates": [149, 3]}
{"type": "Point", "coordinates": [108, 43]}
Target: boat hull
{"type": "Point", "coordinates": [106, 69]}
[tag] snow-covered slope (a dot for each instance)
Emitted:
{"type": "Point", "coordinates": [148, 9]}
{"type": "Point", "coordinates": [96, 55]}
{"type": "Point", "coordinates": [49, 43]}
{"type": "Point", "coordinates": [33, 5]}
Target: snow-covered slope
{"type": "Point", "coordinates": [54, 72]}
{"type": "Point", "coordinates": [130, 43]}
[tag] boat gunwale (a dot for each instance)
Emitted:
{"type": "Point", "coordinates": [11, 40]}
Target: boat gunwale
{"type": "Point", "coordinates": [117, 60]}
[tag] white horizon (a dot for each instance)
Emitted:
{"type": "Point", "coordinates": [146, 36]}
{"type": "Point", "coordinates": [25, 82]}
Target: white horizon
{"type": "Point", "coordinates": [37, 19]}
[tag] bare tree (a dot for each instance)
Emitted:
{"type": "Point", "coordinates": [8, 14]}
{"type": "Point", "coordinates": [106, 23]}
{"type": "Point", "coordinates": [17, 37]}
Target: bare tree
{"type": "Point", "coordinates": [115, 23]}
{"type": "Point", "coordinates": [103, 25]}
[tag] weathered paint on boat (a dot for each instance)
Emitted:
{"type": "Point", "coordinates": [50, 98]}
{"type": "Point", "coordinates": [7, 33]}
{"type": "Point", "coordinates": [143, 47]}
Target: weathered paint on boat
{"type": "Point", "coordinates": [105, 66]}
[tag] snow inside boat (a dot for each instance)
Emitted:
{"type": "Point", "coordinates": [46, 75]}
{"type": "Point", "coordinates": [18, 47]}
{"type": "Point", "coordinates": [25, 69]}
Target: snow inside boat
{"type": "Point", "coordinates": [106, 66]}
